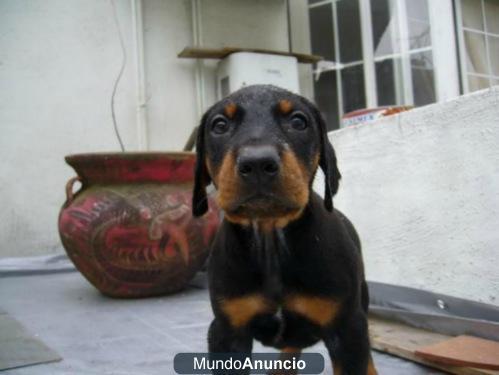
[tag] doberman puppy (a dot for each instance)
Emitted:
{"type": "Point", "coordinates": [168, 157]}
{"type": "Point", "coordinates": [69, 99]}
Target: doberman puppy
{"type": "Point", "coordinates": [285, 267]}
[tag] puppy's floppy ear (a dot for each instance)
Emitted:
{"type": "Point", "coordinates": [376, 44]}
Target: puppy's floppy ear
{"type": "Point", "coordinates": [327, 162]}
{"type": "Point", "coordinates": [201, 176]}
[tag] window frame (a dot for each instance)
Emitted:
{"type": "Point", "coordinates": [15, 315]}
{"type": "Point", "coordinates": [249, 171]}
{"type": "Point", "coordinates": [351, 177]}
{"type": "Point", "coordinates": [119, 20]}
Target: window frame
{"type": "Point", "coordinates": [460, 29]}
{"type": "Point", "coordinates": [443, 48]}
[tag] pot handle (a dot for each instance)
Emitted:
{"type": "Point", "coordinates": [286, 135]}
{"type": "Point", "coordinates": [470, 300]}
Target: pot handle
{"type": "Point", "coordinates": [69, 189]}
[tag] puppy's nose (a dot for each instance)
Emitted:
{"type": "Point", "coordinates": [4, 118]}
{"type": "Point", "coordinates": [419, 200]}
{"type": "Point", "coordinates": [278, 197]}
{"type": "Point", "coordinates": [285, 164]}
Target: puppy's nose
{"type": "Point", "coordinates": [258, 164]}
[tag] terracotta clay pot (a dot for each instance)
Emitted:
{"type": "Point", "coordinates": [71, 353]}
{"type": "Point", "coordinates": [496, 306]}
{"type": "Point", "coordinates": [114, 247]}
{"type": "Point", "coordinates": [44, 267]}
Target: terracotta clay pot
{"type": "Point", "coordinates": [129, 229]}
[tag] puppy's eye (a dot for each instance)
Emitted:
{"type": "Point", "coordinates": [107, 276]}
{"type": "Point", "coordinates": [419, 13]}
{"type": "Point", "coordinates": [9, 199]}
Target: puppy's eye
{"type": "Point", "coordinates": [299, 121]}
{"type": "Point", "coordinates": [219, 125]}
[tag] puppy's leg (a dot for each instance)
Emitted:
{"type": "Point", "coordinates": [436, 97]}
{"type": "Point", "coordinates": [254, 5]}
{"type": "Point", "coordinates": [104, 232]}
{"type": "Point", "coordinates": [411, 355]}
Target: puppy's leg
{"type": "Point", "coordinates": [364, 296]}
{"type": "Point", "coordinates": [332, 345]}
{"type": "Point", "coordinates": [371, 370]}
{"type": "Point", "coordinates": [222, 338]}
{"type": "Point", "coordinates": [349, 348]}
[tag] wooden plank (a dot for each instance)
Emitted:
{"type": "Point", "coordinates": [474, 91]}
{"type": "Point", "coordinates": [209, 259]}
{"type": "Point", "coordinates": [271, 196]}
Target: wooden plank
{"type": "Point", "coordinates": [403, 341]}
{"type": "Point", "coordinates": [220, 53]}
{"type": "Point", "coordinates": [463, 351]}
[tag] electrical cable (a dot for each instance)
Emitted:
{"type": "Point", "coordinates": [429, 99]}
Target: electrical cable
{"type": "Point", "coordinates": [118, 78]}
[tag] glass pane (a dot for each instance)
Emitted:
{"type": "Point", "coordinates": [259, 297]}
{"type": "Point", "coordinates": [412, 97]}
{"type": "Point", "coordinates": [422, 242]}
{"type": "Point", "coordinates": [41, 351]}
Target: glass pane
{"type": "Point", "coordinates": [417, 10]}
{"type": "Point", "coordinates": [477, 83]}
{"type": "Point", "coordinates": [352, 79]}
{"type": "Point", "coordinates": [389, 82]}
{"type": "Point", "coordinates": [326, 98]}
{"type": "Point", "coordinates": [321, 31]}
{"type": "Point", "coordinates": [494, 55]}
{"type": "Point", "coordinates": [476, 58]}
{"type": "Point", "coordinates": [419, 23]}
{"type": "Point", "coordinates": [422, 78]}
{"type": "Point", "coordinates": [384, 23]}
{"type": "Point", "coordinates": [492, 16]}
{"type": "Point", "coordinates": [314, 1]}
{"type": "Point", "coordinates": [349, 30]}
{"type": "Point", "coordinates": [472, 14]}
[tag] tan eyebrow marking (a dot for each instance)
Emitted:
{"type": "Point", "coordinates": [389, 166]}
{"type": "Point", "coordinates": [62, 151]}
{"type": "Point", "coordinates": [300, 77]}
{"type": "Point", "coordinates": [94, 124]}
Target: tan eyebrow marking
{"type": "Point", "coordinates": [230, 110]}
{"type": "Point", "coordinates": [285, 106]}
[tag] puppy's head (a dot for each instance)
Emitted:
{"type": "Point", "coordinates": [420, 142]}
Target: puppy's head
{"type": "Point", "coordinates": [261, 147]}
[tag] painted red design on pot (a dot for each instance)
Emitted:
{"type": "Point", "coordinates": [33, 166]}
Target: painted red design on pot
{"type": "Point", "coordinates": [129, 229]}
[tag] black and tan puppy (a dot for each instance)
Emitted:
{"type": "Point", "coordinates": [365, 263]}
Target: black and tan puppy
{"type": "Point", "coordinates": [285, 267]}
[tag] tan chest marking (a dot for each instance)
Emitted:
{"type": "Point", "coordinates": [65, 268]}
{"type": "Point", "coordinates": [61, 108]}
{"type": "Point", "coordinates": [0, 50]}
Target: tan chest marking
{"type": "Point", "coordinates": [241, 310]}
{"type": "Point", "coordinates": [319, 310]}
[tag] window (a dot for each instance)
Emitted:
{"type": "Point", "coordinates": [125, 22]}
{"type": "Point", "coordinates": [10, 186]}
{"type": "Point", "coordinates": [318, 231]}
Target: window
{"type": "Point", "coordinates": [402, 52]}
{"type": "Point", "coordinates": [478, 32]}
{"type": "Point", "coordinates": [377, 52]}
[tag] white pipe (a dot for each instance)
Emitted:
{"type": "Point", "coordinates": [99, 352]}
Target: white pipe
{"type": "Point", "coordinates": [198, 42]}
{"type": "Point", "coordinates": [138, 42]}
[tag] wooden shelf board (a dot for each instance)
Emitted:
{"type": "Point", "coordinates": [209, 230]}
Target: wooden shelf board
{"type": "Point", "coordinates": [220, 53]}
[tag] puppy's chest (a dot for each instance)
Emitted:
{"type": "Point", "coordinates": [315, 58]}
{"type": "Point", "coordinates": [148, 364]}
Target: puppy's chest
{"type": "Point", "coordinates": [285, 294]}
{"type": "Point", "coordinates": [317, 309]}
{"type": "Point", "coordinates": [293, 284]}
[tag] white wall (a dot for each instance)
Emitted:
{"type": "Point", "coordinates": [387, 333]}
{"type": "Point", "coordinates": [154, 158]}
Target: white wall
{"type": "Point", "coordinates": [58, 62]}
{"type": "Point", "coordinates": [170, 87]}
{"type": "Point", "coordinates": [422, 189]}
{"type": "Point", "coordinates": [172, 106]}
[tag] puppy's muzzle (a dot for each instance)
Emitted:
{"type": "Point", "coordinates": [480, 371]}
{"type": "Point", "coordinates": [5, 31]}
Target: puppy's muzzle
{"type": "Point", "coordinates": [258, 166]}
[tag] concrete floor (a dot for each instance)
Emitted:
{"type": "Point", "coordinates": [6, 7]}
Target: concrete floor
{"type": "Point", "coordinates": [98, 335]}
